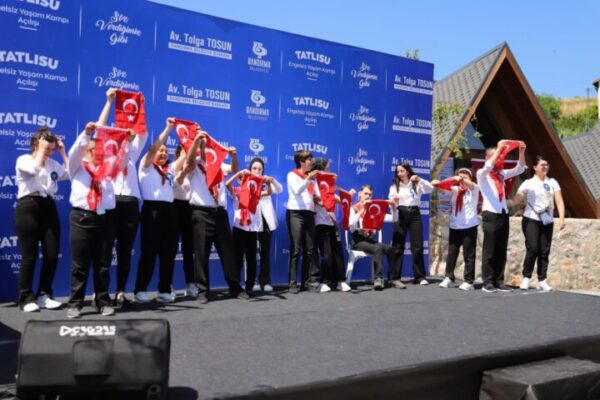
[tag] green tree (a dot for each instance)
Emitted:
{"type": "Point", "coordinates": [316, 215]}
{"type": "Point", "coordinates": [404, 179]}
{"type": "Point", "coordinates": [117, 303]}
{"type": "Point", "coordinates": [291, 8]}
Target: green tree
{"type": "Point", "coordinates": [568, 125]}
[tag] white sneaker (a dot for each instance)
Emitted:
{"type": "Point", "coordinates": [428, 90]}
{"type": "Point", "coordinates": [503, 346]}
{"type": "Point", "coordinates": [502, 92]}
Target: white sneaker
{"type": "Point", "coordinates": [424, 282]}
{"type": "Point", "coordinates": [543, 286]}
{"type": "Point", "coordinates": [268, 288]}
{"type": "Point", "coordinates": [343, 286]}
{"type": "Point", "coordinates": [445, 283]}
{"type": "Point", "coordinates": [524, 284]}
{"type": "Point", "coordinates": [165, 297]}
{"type": "Point", "coordinates": [466, 286]}
{"type": "Point", "coordinates": [324, 288]}
{"type": "Point", "coordinates": [46, 302]}
{"type": "Point", "coordinates": [31, 307]}
{"type": "Point", "coordinates": [141, 297]}
{"type": "Point", "coordinates": [256, 288]}
{"type": "Point", "coordinates": [191, 290]}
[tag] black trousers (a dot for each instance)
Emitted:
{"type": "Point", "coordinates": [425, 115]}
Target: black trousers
{"type": "Point", "coordinates": [211, 225]}
{"type": "Point", "coordinates": [495, 243]}
{"type": "Point", "coordinates": [376, 250]}
{"type": "Point", "coordinates": [264, 242]}
{"type": "Point", "coordinates": [409, 220]}
{"type": "Point", "coordinates": [329, 245]}
{"type": "Point", "coordinates": [88, 233]}
{"type": "Point", "coordinates": [184, 230]}
{"type": "Point", "coordinates": [127, 221]}
{"type": "Point", "coordinates": [467, 239]}
{"type": "Point", "coordinates": [36, 221]}
{"type": "Point", "coordinates": [301, 230]}
{"type": "Point", "coordinates": [158, 240]}
{"type": "Point", "coordinates": [245, 246]}
{"type": "Point", "coordinates": [538, 239]}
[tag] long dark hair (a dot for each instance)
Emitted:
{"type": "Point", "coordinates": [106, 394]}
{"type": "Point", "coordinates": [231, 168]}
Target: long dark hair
{"type": "Point", "coordinates": [408, 169]}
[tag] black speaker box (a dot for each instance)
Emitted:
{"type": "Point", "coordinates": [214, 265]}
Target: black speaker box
{"type": "Point", "coordinates": [94, 357]}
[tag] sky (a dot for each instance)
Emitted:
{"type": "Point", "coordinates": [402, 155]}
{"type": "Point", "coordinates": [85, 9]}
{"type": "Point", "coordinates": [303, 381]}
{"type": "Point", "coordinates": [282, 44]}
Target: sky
{"type": "Point", "coordinates": [554, 41]}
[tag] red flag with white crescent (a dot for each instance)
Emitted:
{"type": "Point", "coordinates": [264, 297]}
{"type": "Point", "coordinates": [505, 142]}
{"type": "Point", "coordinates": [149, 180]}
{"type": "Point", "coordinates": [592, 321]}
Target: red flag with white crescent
{"type": "Point", "coordinates": [129, 111]}
{"type": "Point", "coordinates": [215, 155]}
{"type": "Point", "coordinates": [375, 211]}
{"type": "Point", "coordinates": [326, 184]}
{"type": "Point", "coordinates": [249, 197]}
{"type": "Point", "coordinates": [109, 154]}
{"type": "Point", "coordinates": [186, 132]}
{"type": "Point", "coordinates": [346, 202]}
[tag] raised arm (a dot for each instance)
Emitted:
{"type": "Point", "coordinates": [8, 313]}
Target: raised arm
{"type": "Point", "coordinates": [110, 98]}
{"type": "Point", "coordinates": [149, 157]}
{"type": "Point", "coordinates": [77, 151]}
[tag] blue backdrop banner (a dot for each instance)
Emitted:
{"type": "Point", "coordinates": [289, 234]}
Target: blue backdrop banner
{"type": "Point", "coordinates": [267, 92]}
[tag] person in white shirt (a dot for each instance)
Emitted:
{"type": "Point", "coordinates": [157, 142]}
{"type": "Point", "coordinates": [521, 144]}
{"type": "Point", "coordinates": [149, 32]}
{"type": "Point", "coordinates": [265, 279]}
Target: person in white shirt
{"type": "Point", "coordinates": [463, 227]}
{"type": "Point", "coordinates": [364, 240]}
{"type": "Point", "coordinates": [183, 219]}
{"type": "Point", "coordinates": [36, 218]}
{"type": "Point", "coordinates": [90, 230]}
{"type": "Point", "coordinates": [541, 193]}
{"type": "Point", "coordinates": [158, 238]}
{"type": "Point", "coordinates": [269, 224]}
{"type": "Point", "coordinates": [329, 241]}
{"type": "Point", "coordinates": [494, 216]}
{"type": "Point", "coordinates": [405, 193]}
{"type": "Point", "coordinates": [126, 217]}
{"type": "Point", "coordinates": [211, 222]}
{"type": "Point", "coordinates": [300, 221]}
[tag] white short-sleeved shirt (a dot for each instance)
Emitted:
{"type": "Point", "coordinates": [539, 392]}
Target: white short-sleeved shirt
{"type": "Point", "coordinates": [32, 178]}
{"type": "Point", "coordinates": [487, 186]}
{"type": "Point", "coordinates": [408, 195]}
{"type": "Point", "coordinates": [152, 186]}
{"type": "Point", "coordinates": [181, 191]}
{"type": "Point", "coordinates": [81, 179]}
{"type": "Point", "coordinates": [467, 217]}
{"type": "Point", "coordinates": [540, 195]}
{"type": "Point", "coordinates": [200, 194]}
{"type": "Point", "coordinates": [127, 182]}
{"type": "Point", "coordinates": [256, 219]}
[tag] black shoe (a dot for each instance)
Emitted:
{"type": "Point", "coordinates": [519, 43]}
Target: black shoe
{"type": "Point", "coordinates": [294, 289]}
{"type": "Point", "coordinates": [312, 288]}
{"type": "Point", "coordinates": [202, 298]}
{"type": "Point", "coordinates": [489, 288]}
{"type": "Point", "coordinates": [503, 288]}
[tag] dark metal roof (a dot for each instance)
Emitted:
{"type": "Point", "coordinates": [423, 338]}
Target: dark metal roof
{"type": "Point", "coordinates": [462, 87]}
{"type": "Point", "coordinates": [584, 150]}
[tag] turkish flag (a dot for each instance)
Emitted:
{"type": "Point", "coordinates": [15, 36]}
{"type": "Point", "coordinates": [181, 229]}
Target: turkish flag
{"type": "Point", "coordinates": [508, 147]}
{"type": "Point", "coordinates": [374, 215]}
{"type": "Point", "coordinates": [129, 111]}
{"type": "Point", "coordinates": [215, 155]}
{"type": "Point", "coordinates": [249, 196]}
{"type": "Point", "coordinates": [447, 183]}
{"type": "Point", "coordinates": [109, 153]}
{"type": "Point", "coordinates": [346, 202]}
{"type": "Point", "coordinates": [326, 184]}
{"type": "Point", "coordinates": [186, 132]}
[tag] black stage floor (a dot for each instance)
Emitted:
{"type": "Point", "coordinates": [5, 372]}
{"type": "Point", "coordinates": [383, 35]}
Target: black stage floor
{"type": "Point", "coordinates": [272, 343]}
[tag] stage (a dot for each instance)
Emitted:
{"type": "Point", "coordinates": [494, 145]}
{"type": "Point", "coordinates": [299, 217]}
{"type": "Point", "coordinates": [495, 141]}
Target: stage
{"type": "Point", "coordinates": [352, 345]}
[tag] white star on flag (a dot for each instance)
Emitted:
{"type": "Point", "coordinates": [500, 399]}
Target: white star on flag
{"type": "Point", "coordinates": [130, 118]}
